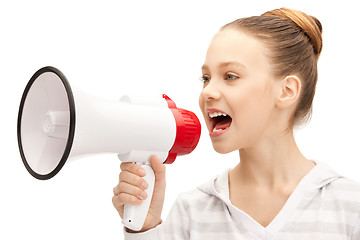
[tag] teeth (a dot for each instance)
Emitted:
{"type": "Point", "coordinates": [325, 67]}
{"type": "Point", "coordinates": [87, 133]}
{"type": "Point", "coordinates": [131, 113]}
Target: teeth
{"type": "Point", "coordinates": [216, 114]}
{"type": "Point", "coordinates": [216, 130]}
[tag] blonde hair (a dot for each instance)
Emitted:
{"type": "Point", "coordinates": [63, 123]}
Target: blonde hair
{"type": "Point", "coordinates": [294, 41]}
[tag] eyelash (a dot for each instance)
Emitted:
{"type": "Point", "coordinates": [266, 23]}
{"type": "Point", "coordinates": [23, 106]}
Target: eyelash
{"type": "Point", "coordinates": [233, 76]}
{"type": "Point", "coordinates": [206, 78]}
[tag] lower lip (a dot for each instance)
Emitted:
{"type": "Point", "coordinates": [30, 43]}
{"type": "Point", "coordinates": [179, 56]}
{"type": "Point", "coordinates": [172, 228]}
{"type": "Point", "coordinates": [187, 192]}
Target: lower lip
{"type": "Point", "coordinates": [218, 133]}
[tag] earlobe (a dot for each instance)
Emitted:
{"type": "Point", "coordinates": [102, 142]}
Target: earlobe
{"type": "Point", "coordinates": [289, 92]}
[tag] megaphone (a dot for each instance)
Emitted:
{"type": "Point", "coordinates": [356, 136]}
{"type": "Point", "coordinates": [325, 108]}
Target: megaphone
{"type": "Point", "coordinates": [57, 123]}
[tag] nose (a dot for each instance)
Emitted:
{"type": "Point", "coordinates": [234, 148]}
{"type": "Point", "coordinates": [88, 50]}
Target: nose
{"type": "Point", "coordinates": [211, 91]}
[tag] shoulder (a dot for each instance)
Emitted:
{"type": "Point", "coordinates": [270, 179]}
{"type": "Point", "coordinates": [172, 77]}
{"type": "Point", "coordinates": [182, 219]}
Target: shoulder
{"type": "Point", "coordinates": [346, 184]}
{"type": "Point", "coordinates": [342, 198]}
{"type": "Point", "coordinates": [211, 196]}
{"type": "Point", "coordinates": [201, 208]}
{"type": "Point", "coordinates": [335, 187]}
{"type": "Point", "coordinates": [344, 188]}
{"type": "Point", "coordinates": [199, 200]}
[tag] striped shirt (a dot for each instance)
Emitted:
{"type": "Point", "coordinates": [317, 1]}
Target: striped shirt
{"type": "Point", "coordinates": [324, 205]}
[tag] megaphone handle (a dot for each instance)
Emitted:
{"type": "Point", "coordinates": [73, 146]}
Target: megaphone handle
{"type": "Point", "coordinates": [134, 216]}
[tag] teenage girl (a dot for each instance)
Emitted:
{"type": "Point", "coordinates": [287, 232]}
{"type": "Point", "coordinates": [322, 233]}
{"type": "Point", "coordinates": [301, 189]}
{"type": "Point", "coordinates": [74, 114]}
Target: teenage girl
{"type": "Point", "coordinates": [259, 77]}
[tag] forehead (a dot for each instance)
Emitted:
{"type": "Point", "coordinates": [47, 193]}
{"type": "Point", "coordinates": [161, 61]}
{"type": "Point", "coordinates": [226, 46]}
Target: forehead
{"type": "Point", "coordinates": [236, 46]}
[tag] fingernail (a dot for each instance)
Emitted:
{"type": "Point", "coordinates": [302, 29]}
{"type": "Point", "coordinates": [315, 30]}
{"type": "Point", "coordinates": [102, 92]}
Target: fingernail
{"type": "Point", "coordinates": [143, 195]}
{"type": "Point", "coordinates": [144, 185]}
{"type": "Point", "coordinates": [138, 201]}
{"type": "Point", "coordinates": [142, 171]}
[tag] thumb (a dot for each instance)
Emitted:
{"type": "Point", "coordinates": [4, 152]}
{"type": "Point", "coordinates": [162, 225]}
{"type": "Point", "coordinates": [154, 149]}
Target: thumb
{"type": "Point", "coordinates": [159, 168]}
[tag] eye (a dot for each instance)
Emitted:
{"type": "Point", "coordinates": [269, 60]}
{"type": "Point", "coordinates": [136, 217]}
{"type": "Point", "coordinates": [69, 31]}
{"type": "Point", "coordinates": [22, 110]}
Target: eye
{"type": "Point", "coordinates": [205, 78]}
{"type": "Point", "coordinates": [231, 76]}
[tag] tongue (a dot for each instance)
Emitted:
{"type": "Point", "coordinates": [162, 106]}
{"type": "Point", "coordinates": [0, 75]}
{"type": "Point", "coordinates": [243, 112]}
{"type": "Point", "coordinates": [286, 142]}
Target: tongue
{"type": "Point", "coordinates": [223, 124]}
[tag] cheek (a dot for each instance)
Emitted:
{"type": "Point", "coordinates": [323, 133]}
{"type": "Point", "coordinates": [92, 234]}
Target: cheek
{"type": "Point", "coordinates": [200, 101]}
{"type": "Point", "coordinates": [202, 106]}
{"type": "Point", "coordinates": [251, 107]}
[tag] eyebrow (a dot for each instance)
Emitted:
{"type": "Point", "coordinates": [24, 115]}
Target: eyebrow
{"type": "Point", "coordinates": [225, 64]}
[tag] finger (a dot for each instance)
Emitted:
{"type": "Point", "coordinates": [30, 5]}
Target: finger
{"type": "Point", "coordinates": [121, 199]}
{"type": "Point", "coordinates": [124, 187]}
{"type": "Point", "coordinates": [133, 179]}
{"type": "Point", "coordinates": [133, 168]}
{"type": "Point", "coordinates": [159, 168]}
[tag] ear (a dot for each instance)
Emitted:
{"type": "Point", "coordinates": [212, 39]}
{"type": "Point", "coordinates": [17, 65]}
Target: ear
{"type": "Point", "coordinates": [290, 88]}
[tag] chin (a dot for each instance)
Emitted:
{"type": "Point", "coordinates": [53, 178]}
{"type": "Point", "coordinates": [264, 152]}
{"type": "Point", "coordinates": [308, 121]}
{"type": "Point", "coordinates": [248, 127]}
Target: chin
{"type": "Point", "coordinates": [222, 149]}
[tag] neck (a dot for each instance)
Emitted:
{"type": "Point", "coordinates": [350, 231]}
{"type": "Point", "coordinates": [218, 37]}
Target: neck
{"type": "Point", "coordinates": [272, 163]}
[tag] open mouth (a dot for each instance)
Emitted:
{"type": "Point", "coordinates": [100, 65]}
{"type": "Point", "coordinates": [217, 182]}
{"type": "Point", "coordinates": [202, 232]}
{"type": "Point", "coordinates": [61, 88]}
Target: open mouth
{"type": "Point", "coordinates": [219, 121]}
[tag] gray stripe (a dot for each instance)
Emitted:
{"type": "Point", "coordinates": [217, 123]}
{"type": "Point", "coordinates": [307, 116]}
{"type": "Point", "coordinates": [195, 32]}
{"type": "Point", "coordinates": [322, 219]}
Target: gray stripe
{"type": "Point", "coordinates": [315, 227]}
{"type": "Point", "coordinates": [329, 205]}
{"type": "Point", "coordinates": [210, 227]}
{"type": "Point", "coordinates": [175, 231]}
{"type": "Point", "coordinates": [351, 187]}
{"type": "Point", "coordinates": [210, 205]}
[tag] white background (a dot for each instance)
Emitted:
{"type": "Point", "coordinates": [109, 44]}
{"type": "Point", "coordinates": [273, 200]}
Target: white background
{"type": "Point", "coordinates": [111, 48]}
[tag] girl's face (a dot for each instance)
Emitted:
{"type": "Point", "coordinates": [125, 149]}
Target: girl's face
{"type": "Point", "coordinates": [238, 83]}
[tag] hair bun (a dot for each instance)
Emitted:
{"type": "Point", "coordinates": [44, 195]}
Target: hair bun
{"type": "Point", "coordinates": [310, 25]}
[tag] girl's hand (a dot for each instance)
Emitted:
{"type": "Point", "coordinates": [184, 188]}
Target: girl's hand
{"type": "Point", "coordinates": [130, 190]}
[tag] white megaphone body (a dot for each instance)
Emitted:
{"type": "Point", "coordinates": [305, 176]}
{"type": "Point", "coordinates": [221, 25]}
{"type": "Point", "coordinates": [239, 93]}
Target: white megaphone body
{"type": "Point", "coordinates": [57, 123]}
